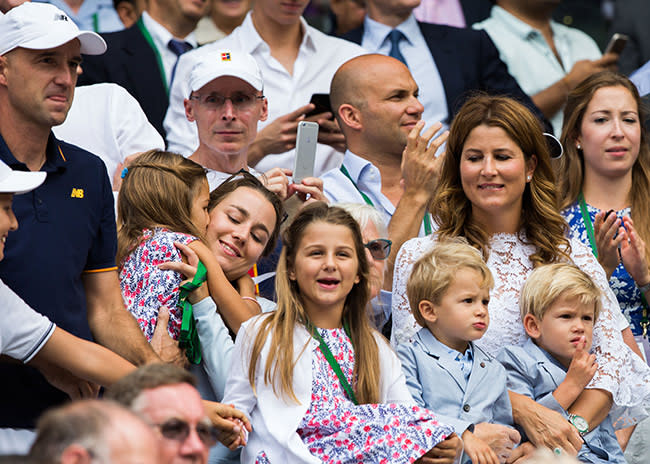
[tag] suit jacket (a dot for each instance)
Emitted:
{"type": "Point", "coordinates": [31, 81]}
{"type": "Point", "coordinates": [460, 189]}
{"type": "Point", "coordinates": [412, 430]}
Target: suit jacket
{"type": "Point", "coordinates": [475, 10]}
{"type": "Point", "coordinates": [467, 61]}
{"type": "Point", "coordinates": [632, 18]}
{"type": "Point", "coordinates": [130, 62]}
{"type": "Point", "coordinates": [436, 383]}
{"type": "Point", "coordinates": [533, 372]}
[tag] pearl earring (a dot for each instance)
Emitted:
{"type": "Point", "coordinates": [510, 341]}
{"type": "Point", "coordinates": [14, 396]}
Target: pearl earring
{"type": "Point", "coordinates": [529, 178]}
{"type": "Point", "coordinates": [579, 147]}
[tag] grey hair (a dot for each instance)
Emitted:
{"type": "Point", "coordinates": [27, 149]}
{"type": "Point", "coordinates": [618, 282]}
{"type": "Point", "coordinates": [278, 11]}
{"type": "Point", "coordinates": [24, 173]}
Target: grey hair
{"type": "Point", "coordinates": [364, 214]}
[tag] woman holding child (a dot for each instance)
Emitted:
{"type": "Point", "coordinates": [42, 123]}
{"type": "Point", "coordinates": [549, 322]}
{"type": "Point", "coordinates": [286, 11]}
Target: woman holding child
{"type": "Point", "coordinates": [497, 190]}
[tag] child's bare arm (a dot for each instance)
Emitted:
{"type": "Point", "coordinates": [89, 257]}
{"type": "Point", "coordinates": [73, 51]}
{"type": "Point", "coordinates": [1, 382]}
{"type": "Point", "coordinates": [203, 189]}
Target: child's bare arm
{"type": "Point", "coordinates": [582, 368]}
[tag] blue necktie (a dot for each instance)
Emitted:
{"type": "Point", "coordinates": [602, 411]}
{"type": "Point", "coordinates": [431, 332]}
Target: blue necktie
{"type": "Point", "coordinates": [395, 36]}
{"type": "Point", "coordinates": [178, 47]}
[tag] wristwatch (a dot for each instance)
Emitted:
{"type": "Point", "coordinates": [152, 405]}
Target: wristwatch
{"type": "Point", "coordinates": [579, 423]}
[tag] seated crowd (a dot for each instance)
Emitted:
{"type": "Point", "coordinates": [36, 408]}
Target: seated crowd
{"type": "Point", "coordinates": [450, 282]}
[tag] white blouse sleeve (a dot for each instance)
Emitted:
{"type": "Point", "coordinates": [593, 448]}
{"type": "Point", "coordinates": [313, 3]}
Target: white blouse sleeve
{"type": "Point", "coordinates": [404, 325]}
{"type": "Point", "coordinates": [620, 371]}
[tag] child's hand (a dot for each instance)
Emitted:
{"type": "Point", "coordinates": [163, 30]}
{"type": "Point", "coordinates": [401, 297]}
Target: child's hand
{"type": "Point", "coordinates": [444, 452]}
{"type": "Point", "coordinates": [233, 425]}
{"type": "Point", "coordinates": [188, 270]}
{"type": "Point", "coordinates": [500, 438]}
{"type": "Point", "coordinates": [478, 451]}
{"type": "Point", "coordinates": [583, 366]}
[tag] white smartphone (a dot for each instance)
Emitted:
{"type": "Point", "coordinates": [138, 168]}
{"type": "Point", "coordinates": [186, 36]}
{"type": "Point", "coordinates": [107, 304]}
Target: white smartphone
{"type": "Point", "coordinates": [306, 141]}
{"type": "Point", "coordinates": [617, 43]}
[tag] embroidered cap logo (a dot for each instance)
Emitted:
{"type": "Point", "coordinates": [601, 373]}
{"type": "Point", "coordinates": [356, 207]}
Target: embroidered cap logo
{"type": "Point", "coordinates": [225, 56]}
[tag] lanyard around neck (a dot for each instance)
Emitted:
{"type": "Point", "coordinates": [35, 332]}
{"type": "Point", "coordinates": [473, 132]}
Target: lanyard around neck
{"type": "Point", "coordinates": [588, 224]}
{"type": "Point", "coordinates": [332, 361]}
{"type": "Point", "coordinates": [427, 220]}
{"type": "Point", "coordinates": [156, 52]}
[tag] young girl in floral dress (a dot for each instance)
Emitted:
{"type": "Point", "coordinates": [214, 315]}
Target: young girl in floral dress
{"type": "Point", "coordinates": [318, 383]}
{"type": "Point", "coordinates": [164, 200]}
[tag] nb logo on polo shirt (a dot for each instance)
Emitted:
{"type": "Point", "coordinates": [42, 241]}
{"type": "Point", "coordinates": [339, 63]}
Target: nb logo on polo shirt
{"type": "Point", "coordinates": [77, 193]}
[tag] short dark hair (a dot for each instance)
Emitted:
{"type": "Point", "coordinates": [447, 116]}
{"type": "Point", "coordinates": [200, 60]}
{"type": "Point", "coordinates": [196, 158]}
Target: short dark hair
{"type": "Point", "coordinates": [126, 390]}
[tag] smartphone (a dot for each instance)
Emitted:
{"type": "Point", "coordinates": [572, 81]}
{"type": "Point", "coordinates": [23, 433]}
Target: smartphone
{"type": "Point", "coordinates": [306, 141]}
{"type": "Point", "coordinates": [617, 43]}
{"type": "Point", "coordinates": [322, 103]}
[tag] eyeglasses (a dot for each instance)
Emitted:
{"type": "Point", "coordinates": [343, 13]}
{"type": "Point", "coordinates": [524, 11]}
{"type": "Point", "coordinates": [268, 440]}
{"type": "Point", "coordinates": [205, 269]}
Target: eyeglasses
{"type": "Point", "coordinates": [179, 430]}
{"type": "Point", "coordinates": [379, 248]}
{"type": "Point", "coordinates": [240, 101]}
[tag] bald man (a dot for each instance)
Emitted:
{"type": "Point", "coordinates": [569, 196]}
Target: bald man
{"type": "Point", "coordinates": [388, 163]}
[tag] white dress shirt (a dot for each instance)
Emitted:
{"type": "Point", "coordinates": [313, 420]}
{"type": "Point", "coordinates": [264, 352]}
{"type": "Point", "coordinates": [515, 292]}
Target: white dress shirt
{"type": "Point", "coordinates": [161, 38]}
{"type": "Point", "coordinates": [108, 122]}
{"type": "Point", "coordinates": [318, 59]}
{"type": "Point", "coordinates": [419, 61]}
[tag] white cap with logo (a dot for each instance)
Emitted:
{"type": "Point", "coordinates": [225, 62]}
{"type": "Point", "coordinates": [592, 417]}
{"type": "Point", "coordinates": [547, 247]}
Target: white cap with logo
{"type": "Point", "coordinates": [226, 63]}
{"type": "Point", "coordinates": [41, 26]}
{"type": "Point", "coordinates": [19, 181]}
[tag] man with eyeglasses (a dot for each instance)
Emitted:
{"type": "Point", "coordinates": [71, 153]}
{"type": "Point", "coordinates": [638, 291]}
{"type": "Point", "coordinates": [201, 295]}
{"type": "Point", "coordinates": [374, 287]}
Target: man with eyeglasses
{"type": "Point", "coordinates": [388, 164]}
{"type": "Point", "coordinates": [165, 396]}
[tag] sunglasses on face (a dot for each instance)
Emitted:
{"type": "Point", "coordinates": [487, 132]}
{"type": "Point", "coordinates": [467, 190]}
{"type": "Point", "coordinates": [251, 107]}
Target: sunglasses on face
{"type": "Point", "coordinates": [379, 249]}
{"type": "Point", "coordinates": [179, 430]}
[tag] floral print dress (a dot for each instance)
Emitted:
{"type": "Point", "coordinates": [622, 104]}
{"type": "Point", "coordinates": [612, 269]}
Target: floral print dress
{"type": "Point", "coordinates": [145, 288]}
{"type": "Point", "coordinates": [339, 432]}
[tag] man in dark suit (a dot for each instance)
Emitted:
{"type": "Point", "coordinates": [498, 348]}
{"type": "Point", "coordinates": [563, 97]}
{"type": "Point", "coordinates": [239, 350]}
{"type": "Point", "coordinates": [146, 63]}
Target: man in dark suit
{"type": "Point", "coordinates": [459, 62]}
{"type": "Point", "coordinates": [142, 58]}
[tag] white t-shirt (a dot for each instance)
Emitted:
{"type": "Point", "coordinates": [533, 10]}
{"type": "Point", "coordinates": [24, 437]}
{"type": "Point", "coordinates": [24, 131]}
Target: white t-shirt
{"type": "Point", "coordinates": [107, 121]}
{"type": "Point", "coordinates": [23, 331]}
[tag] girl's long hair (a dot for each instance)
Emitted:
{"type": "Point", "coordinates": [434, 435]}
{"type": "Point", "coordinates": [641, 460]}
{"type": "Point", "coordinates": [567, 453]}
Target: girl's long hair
{"type": "Point", "coordinates": [541, 222]}
{"type": "Point", "coordinates": [279, 325]}
{"type": "Point", "coordinates": [570, 168]}
{"type": "Point", "coordinates": [157, 191]}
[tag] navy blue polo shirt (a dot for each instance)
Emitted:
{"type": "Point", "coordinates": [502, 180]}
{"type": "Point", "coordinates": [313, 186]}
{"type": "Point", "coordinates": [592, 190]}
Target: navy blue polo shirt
{"type": "Point", "coordinates": [66, 227]}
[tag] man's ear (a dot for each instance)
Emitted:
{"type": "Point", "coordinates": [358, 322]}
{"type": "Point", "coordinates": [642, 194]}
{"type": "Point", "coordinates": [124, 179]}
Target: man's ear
{"type": "Point", "coordinates": [350, 116]}
{"type": "Point", "coordinates": [189, 110]}
{"type": "Point", "coordinates": [531, 326]}
{"type": "Point", "coordinates": [75, 454]}
{"type": "Point", "coordinates": [265, 110]}
{"type": "Point", "coordinates": [428, 310]}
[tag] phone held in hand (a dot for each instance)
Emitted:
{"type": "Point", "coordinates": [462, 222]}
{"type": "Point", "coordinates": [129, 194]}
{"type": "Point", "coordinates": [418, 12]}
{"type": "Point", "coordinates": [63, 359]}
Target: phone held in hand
{"type": "Point", "coordinates": [322, 104]}
{"type": "Point", "coordinates": [306, 141]}
{"type": "Point", "coordinates": [617, 43]}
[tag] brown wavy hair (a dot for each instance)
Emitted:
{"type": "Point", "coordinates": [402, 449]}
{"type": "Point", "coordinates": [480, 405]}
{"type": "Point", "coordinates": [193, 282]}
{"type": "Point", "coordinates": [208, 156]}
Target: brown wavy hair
{"type": "Point", "coordinates": [157, 191]}
{"type": "Point", "coordinates": [541, 223]}
{"type": "Point", "coordinates": [570, 167]}
{"type": "Point", "coordinates": [279, 325]}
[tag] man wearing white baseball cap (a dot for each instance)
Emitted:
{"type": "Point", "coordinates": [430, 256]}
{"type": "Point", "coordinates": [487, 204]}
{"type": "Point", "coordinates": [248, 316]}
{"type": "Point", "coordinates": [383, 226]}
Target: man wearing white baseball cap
{"type": "Point", "coordinates": [226, 102]}
{"type": "Point", "coordinates": [61, 261]}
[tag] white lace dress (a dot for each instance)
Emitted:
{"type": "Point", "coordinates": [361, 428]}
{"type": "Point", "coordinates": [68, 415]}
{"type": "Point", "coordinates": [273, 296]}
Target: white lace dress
{"type": "Point", "coordinates": [620, 371]}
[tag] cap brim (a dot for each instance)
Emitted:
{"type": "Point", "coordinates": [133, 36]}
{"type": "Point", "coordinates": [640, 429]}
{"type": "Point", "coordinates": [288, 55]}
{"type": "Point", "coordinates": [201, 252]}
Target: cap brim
{"type": "Point", "coordinates": [246, 77]}
{"type": "Point", "coordinates": [91, 42]}
{"type": "Point", "coordinates": [22, 182]}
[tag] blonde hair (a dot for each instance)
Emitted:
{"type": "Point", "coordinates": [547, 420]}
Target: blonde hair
{"type": "Point", "coordinates": [541, 222]}
{"type": "Point", "coordinates": [279, 325]}
{"type": "Point", "coordinates": [157, 191]}
{"type": "Point", "coordinates": [434, 272]}
{"type": "Point", "coordinates": [548, 283]}
{"type": "Point", "coordinates": [570, 168]}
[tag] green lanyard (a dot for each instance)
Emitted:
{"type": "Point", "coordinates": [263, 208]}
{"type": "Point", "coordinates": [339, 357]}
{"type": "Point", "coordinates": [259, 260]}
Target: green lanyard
{"type": "Point", "coordinates": [588, 224]}
{"type": "Point", "coordinates": [592, 241]}
{"type": "Point", "coordinates": [96, 22]}
{"type": "Point", "coordinates": [332, 361]}
{"type": "Point", "coordinates": [151, 43]}
{"type": "Point", "coordinates": [189, 338]}
{"type": "Point", "coordinates": [427, 221]}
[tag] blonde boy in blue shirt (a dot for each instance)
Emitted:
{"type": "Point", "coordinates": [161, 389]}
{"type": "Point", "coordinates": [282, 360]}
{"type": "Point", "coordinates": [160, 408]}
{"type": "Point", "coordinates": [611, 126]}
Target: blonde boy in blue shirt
{"type": "Point", "coordinates": [449, 291]}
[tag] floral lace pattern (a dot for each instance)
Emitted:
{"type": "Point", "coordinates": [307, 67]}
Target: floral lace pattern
{"type": "Point", "coordinates": [337, 431]}
{"type": "Point", "coordinates": [621, 283]}
{"type": "Point", "coordinates": [620, 371]}
{"type": "Point", "coordinates": [145, 288]}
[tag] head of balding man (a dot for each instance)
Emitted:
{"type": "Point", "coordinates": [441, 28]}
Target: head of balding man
{"type": "Point", "coordinates": [374, 98]}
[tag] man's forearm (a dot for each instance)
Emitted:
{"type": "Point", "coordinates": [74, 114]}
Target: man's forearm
{"type": "Point", "coordinates": [552, 99]}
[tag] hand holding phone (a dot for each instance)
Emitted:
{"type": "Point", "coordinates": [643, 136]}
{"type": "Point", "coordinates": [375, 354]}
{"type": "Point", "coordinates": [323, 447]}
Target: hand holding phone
{"type": "Point", "coordinates": [616, 44]}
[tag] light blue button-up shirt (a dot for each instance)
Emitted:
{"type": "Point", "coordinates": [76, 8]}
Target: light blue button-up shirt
{"type": "Point", "coordinates": [419, 61]}
{"type": "Point", "coordinates": [93, 15]}
{"type": "Point", "coordinates": [530, 59]}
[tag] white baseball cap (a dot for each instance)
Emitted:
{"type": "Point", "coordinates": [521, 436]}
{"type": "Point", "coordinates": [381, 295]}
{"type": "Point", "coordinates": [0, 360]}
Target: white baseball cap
{"type": "Point", "coordinates": [41, 26]}
{"type": "Point", "coordinates": [19, 181]}
{"type": "Point", "coordinates": [226, 63]}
